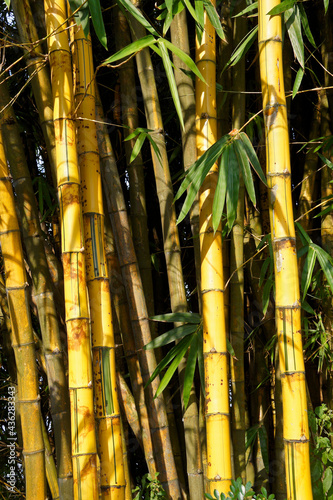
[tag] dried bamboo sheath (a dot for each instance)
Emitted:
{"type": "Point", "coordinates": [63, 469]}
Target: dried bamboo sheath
{"type": "Point", "coordinates": [288, 309]}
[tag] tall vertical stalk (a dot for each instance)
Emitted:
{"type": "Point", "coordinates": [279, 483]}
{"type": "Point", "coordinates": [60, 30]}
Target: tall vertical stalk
{"type": "Point", "coordinates": [103, 344]}
{"type": "Point", "coordinates": [22, 338]}
{"type": "Point", "coordinates": [212, 285]}
{"type": "Point", "coordinates": [84, 449]}
{"type": "Point", "coordinates": [288, 308]}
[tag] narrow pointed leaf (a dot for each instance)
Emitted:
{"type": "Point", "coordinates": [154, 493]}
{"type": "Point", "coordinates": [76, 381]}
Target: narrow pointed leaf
{"type": "Point", "coordinates": [192, 12]}
{"type": "Point", "coordinates": [263, 271]}
{"type": "Point", "coordinates": [282, 7]}
{"type": "Point", "coordinates": [167, 22]}
{"type": "Point", "coordinates": [168, 4]}
{"type": "Point", "coordinates": [201, 363]}
{"type": "Point", "coordinates": [221, 189]}
{"type": "Point", "coordinates": [242, 48]}
{"type": "Point", "coordinates": [266, 294]}
{"type": "Point", "coordinates": [306, 240]}
{"type": "Point", "coordinates": [182, 348]}
{"type": "Point", "coordinates": [308, 268]}
{"type": "Point", "coordinates": [298, 81]}
{"type": "Point", "coordinates": [190, 370]}
{"type": "Point", "coordinates": [175, 334]}
{"type": "Point", "coordinates": [293, 25]}
{"type": "Point", "coordinates": [127, 5]}
{"type": "Point", "coordinates": [137, 146]}
{"type": "Point", "coordinates": [171, 79]}
{"type": "Point", "coordinates": [181, 317]}
{"type": "Point", "coordinates": [200, 12]}
{"type": "Point", "coordinates": [305, 24]}
{"type": "Point", "coordinates": [155, 147]}
{"type": "Point", "coordinates": [243, 161]}
{"type": "Point", "coordinates": [232, 186]}
{"type": "Point", "coordinates": [326, 4]}
{"type": "Point", "coordinates": [7, 3]}
{"type": "Point", "coordinates": [214, 18]}
{"type": "Point", "coordinates": [230, 349]}
{"type": "Point", "coordinates": [326, 161]}
{"type": "Point", "coordinates": [326, 263]}
{"type": "Point", "coordinates": [247, 9]}
{"type": "Point", "coordinates": [82, 15]}
{"type": "Point", "coordinates": [165, 361]}
{"type": "Point", "coordinates": [132, 48]}
{"type": "Point", "coordinates": [97, 20]}
{"type": "Point", "coordinates": [252, 156]}
{"type": "Point", "coordinates": [185, 58]}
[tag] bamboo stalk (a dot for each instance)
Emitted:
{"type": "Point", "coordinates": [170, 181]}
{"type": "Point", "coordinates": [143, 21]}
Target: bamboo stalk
{"type": "Point", "coordinates": [84, 450]}
{"type": "Point", "coordinates": [212, 285]}
{"type": "Point", "coordinates": [102, 336]}
{"type": "Point", "coordinates": [40, 82]}
{"type": "Point", "coordinates": [237, 273]}
{"type": "Point", "coordinates": [139, 318]}
{"type": "Point", "coordinates": [42, 291]}
{"type": "Point", "coordinates": [288, 309]}
{"type": "Point", "coordinates": [22, 338]}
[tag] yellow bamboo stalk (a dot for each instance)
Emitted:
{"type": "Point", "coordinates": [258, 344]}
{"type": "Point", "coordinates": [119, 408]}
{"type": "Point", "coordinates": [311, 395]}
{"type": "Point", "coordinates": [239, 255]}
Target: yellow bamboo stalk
{"type": "Point", "coordinates": [288, 309]}
{"type": "Point", "coordinates": [103, 345]}
{"type": "Point", "coordinates": [38, 71]}
{"type": "Point", "coordinates": [22, 338]}
{"type": "Point", "coordinates": [219, 472]}
{"type": "Point", "coordinates": [84, 450]}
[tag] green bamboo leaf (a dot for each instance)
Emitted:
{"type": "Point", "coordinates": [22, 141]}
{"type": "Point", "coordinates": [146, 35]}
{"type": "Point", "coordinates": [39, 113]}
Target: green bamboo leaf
{"type": "Point", "coordinates": [242, 48]}
{"type": "Point", "coordinates": [192, 12]}
{"type": "Point", "coordinates": [214, 18]}
{"type": "Point", "coordinates": [266, 294]}
{"type": "Point", "coordinates": [221, 189]}
{"type": "Point", "coordinates": [327, 481]}
{"type": "Point", "coordinates": [176, 333]}
{"type": "Point", "coordinates": [247, 9]}
{"type": "Point", "coordinates": [307, 308]}
{"type": "Point", "coordinates": [127, 5]}
{"type": "Point", "coordinates": [209, 157]}
{"type": "Point", "coordinates": [326, 263]}
{"type": "Point", "coordinates": [232, 186]}
{"type": "Point", "coordinates": [263, 270]}
{"type": "Point", "coordinates": [326, 161]}
{"type": "Point", "coordinates": [182, 349]}
{"type": "Point", "coordinates": [263, 445]}
{"type": "Point", "coordinates": [252, 156]}
{"type": "Point", "coordinates": [250, 436]}
{"type": "Point", "coordinates": [305, 24]}
{"type": "Point", "coordinates": [230, 349]}
{"type": "Point", "coordinates": [182, 317]}
{"type": "Point", "coordinates": [202, 167]}
{"type": "Point", "coordinates": [130, 49]}
{"type": "Point", "coordinates": [246, 170]}
{"type": "Point", "coordinates": [326, 4]}
{"type": "Point", "coordinates": [282, 7]}
{"type": "Point", "coordinates": [138, 146]}
{"type": "Point", "coordinates": [171, 79]}
{"type": "Point", "coordinates": [324, 212]}
{"type": "Point", "coordinates": [137, 132]}
{"type": "Point", "coordinates": [168, 4]}
{"type": "Point", "coordinates": [185, 58]}
{"type": "Point", "coordinates": [200, 12]}
{"type": "Point", "coordinates": [155, 147]}
{"type": "Point", "coordinates": [7, 3]}
{"type": "Point", "coordinates": [308, 268]}
{"type": "Point", "coordinates": [306, 240]}
{"type": "Point", "coordinates": [97, 20]}
{"type": "Point", "coordinates": [293, 24]}
{"type": "Point", "coordinates": [82, 15]}
{"type": "Point", "coordinates": [191, 362]}
{"type": "Point", "coordinates": [298, 81]}
{"type": "Point", "coordinates": [165, 361]}
{"type": "Point", "coordinates": [167, 22]}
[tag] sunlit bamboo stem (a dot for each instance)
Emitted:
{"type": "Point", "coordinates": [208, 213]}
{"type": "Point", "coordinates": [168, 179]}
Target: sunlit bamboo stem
{"type": "Point", "coordinates": [288, 308]}
{"type": "Point", "coordinates": [212, 284]}
{"type": "Point", "coordinates": [103, 345]}
{"type": "Point", "coordinates": [84, 449]}
{"type": "Point", "coordinates": [22, 338]}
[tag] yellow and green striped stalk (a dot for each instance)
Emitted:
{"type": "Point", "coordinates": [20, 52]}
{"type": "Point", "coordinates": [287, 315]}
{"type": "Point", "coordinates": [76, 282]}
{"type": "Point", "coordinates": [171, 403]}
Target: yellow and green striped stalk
{"type": "Point", "coordinates": [42, 290]}
{"type": "Point", "coordinates": [287, 298]}
{"type": "Point", "coordinates": [80, 377]}
{"type": "Point", "coordinates": [22, 338]}
{"type": "Point", "coordinates": [103, 345]}
{"type": "Point", "coordinates": [219, 472]}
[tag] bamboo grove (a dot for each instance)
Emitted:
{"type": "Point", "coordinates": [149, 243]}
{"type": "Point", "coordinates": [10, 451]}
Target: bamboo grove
{"type": "Point", "coordinates": [166, 240]}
